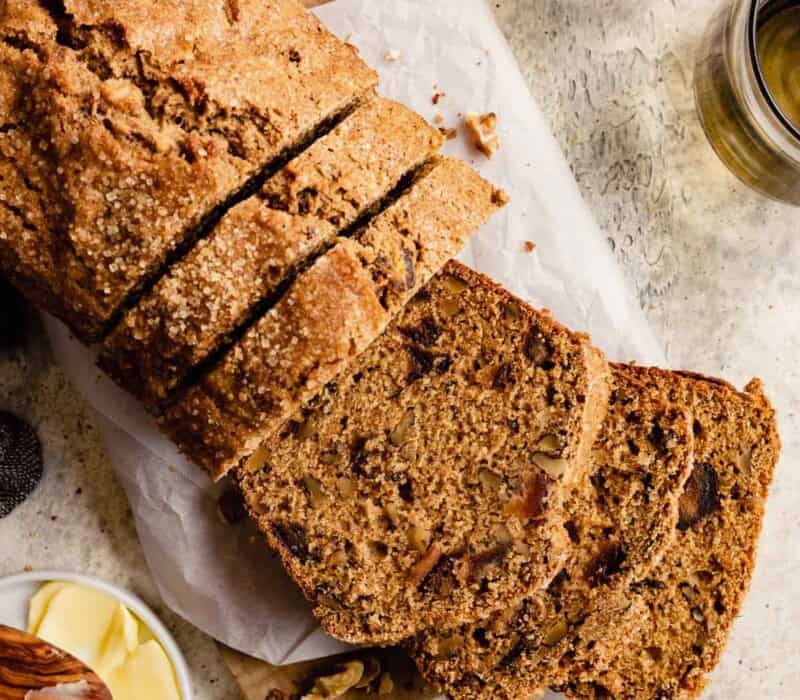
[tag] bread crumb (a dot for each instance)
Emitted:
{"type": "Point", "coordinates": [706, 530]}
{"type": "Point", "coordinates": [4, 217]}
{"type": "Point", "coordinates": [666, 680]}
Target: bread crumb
{"type": "Point", "coordinates": [530, 246]}
{"type": "Point", "coordinates": [448, 132]}
{"type": "Point", "coordinates": [482, 128]}
{"type": "Point", "coordinates": [438, 119]}
{"type": "Point", "coordinates": [438, 97]}
{"type": "Point", "coordinates": [391, 56]}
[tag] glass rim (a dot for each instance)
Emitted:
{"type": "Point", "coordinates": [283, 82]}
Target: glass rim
{"type": "Point", "coordinates": [753, 26]}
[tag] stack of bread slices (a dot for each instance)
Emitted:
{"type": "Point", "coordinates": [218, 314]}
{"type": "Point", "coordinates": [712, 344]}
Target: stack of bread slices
{"type": "Point", "coordinates": [263, 247]}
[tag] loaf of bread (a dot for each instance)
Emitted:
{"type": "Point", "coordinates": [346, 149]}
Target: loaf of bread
{"type": "Point", "coordinates": [260, 244]}
{"type": "Point", "coordinates": [329, 315]}
{"type": "Point", "coordinates": [620, 521]}
{"type": "Point", "coordinates": [214, 190]}
{"type": "Point", "coordinates": [421, 488]}
{"type": "Point", "coordinates": [680, 615]}
{"type": "Point", "coordinates": [129, 125]}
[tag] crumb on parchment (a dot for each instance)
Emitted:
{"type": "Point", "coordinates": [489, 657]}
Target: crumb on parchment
{"type": "Point", "coordinates": [483, 129]}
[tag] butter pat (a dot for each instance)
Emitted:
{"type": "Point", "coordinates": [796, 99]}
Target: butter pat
{"type": "Point", "coordinates": [77, 620]}
{"type": "Point", "coordinates": [99, 630]}
{"type": "Point", "coordinates": [147, 673]}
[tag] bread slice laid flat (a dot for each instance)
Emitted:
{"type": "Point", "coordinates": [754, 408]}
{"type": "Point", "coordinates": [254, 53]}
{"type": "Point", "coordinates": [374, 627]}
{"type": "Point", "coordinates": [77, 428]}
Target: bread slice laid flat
{"type": "Point", "coordinates": [681, 613]}
{"type": "Point", "coordinates": [261, 243]}
{"type": "Point", "coordinates": [421, 488]}
{"type": "Point", "coordinates": [620, 521]}
{"type": "Point", "coordinates": [329, 315]}
{"type": "Point", "coordinates": [126, 126]}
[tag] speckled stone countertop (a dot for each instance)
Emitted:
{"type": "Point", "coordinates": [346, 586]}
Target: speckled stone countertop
{"type": "Point", "coordinates": [716, 268]}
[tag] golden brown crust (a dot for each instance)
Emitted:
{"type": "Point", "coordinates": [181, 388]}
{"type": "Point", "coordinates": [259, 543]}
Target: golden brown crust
{"type": "Point", "coordinates": [327, 318]}
{"type": "Point", "coordinates": [620, 521]}
{"type": "Point", "coordinates": [261, 243]}
{"type": "Point", "coordinates": [138, 130]}
{"type": "Point", "coordinates": [684, 609]}
{"type": "Point", "coordinates": [408, 494]}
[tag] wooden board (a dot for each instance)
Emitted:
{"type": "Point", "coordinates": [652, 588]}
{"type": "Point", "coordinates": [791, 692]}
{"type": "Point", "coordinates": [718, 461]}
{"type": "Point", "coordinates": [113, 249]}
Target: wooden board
{"type": "Point", "coordinates": [29, 663]}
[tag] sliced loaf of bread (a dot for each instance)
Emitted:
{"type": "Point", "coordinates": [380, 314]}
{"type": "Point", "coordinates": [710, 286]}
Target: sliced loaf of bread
{"type": "Point", "coordinates": [261, 243]}
{"type": "Point", "coordinates": [329, 315]}
{"type": "Point", "coordinates": [422, 488]}
{"type": "Point", "coordinates": [680, 614]}
{"type": "Point", "coordinates": [620, 522]}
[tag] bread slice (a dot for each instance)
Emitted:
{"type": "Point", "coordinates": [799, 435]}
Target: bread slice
{"type": "Point", "coordinates": [420, 489]}
{"type": "Point", "coordinates": [681, 613]}
{"type": "Point", "coordinates": [261, 243]}
{"type": "Point", "coordinates": [620, 521]}
{"type": "Point", "coordinates": [329, 315]}
{"type": "Point", "coordinates": [127, 126]}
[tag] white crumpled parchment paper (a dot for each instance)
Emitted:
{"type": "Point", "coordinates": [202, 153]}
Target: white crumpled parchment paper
{"type": "Point", "coordinates": [219, 577]}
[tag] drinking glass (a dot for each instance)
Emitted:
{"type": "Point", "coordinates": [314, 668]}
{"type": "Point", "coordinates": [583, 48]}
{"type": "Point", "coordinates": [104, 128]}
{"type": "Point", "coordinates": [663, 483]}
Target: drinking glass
{"type": "Point", "coordinates": [745, 123]}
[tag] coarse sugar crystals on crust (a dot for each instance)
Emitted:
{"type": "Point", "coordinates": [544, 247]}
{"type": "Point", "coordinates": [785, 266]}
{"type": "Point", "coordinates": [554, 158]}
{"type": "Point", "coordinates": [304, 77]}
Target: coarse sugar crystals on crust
{"type": "Point", "coordinates": [261, 243]}
{"type": "Point", "coordinates": [126, 125]}
{"type": "Point", "coordinates": [682, 612]}
{"type": "Point", "coordinates": [620, 521]}
{"type": "Point", "coordinates": [329, 315]}
{"type": "Point", "coordinates": [422, 488]}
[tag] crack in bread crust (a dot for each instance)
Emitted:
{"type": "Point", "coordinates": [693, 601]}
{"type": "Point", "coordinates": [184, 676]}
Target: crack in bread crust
{"type": "Point", "coordinates": [142, 139]}
{"type": "Point", "coordinates": [330, 314]}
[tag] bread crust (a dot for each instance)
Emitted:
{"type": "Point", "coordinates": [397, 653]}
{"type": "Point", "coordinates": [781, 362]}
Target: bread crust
{"type": "Point", "coordinates": [127, 127]}
{"type": "Point", "coordinates": [261, 244]}
{"type": "Point", "coordinates": [329, 315]}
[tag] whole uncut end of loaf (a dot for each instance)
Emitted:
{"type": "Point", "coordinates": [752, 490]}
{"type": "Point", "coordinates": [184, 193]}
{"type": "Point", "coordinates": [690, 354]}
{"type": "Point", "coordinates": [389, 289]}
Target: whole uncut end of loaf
{"type": "Point", "coordinates": [131, 126]}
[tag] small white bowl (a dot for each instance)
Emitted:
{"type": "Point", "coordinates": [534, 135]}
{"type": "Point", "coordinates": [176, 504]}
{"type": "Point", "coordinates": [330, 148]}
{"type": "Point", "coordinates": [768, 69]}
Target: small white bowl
{"type": "Point", "coordinates": [17, 590]}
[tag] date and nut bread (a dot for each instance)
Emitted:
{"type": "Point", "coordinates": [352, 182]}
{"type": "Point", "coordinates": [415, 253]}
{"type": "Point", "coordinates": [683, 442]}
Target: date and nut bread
{"type": "Point", "coordinates": [422, 488]}
{"type": "Point", "coordinates": [681, 613]}
{"type": "Point", "coordinates": [260, 244]}
{"type": "Point", "coordinates": [620, 521]}
{"type": "Point", "coordinates": [126, 126]}
{"type": "Point", "coordinates": [328, 316]}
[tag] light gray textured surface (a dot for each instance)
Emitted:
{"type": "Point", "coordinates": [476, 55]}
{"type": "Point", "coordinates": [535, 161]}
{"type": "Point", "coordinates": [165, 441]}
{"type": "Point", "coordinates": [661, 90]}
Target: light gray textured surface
{"type": "Point", "coordinates": [716, 267]}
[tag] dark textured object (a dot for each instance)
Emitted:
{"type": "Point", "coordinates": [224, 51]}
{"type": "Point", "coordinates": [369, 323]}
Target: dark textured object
{"type": "Point", "coordinates": [21, 464]}
{"type": "Point", "coordinates": [13, 316]}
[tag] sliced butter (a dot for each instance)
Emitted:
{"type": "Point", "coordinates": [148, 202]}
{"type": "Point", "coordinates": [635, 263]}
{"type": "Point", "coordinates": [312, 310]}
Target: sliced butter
{"type": "Point", "coordinates": [77, 620]}
{"type": "Point", "coordinates": [100, 631]}
{"type": "Point", "coordinates": [121, 640]}
{"type": "Point", "coordinates": [39, 603]}
{"type": "Point", "coordinates": [147, 673]}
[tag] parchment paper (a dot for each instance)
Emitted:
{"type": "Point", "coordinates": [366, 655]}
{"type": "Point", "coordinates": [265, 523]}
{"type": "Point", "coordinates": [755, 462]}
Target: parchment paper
{"type": "Point", "coordinates": [223, 579]}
